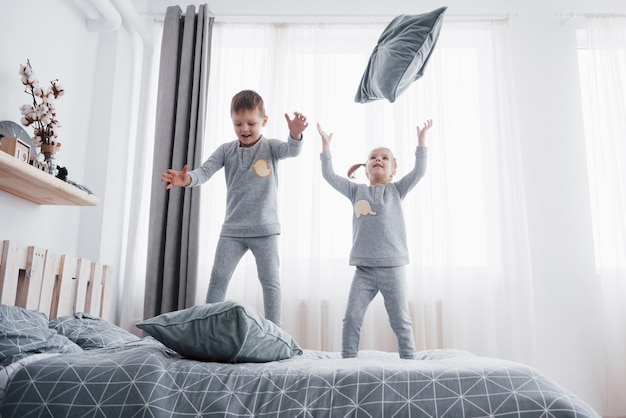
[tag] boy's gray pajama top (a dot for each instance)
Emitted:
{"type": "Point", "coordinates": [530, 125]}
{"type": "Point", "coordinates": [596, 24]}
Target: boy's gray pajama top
{"type": "Point", "coordinates": [251, 220]}
{"type": "Point", "coordinates": [379, 251]}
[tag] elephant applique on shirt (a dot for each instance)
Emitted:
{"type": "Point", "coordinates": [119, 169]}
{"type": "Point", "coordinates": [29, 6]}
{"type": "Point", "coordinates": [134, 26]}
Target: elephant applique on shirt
{"type": "Point", "coordinates": [363, 207]}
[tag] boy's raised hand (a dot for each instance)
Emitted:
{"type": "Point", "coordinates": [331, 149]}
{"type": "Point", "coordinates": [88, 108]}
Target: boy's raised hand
{"type": "Point", "coordinates": [175, 178]}
{"type": "Point", "coordinates": [297, 125]}
{"type": "Point", "coordinates": [421, 132]}
{"type": "Point", "coordinates": [326, 138]}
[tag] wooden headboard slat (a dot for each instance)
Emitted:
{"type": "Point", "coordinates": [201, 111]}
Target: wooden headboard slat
{"type": "Point", "coordinates": [106, 292]}
{"type": "Point", "coordinates": [49, 289]}
{"type": "Point", "coordinates": [9, 272]}
{"type": "Point", "coordinates": [56, 284]}
{"type": "Point", "coordinates": [83, 279]}
{"type": "Point", "coordinates": [94, 293]}
{"type": "Point", "coordinates": [67, 285]}
{"type": "Point", "coordinates": [33, 278]}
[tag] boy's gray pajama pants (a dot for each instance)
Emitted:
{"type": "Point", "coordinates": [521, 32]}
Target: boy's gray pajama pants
{"type": "Point", "coordinates": [367, 282]}
{"type": "Point", "coordinates": [229, 252]}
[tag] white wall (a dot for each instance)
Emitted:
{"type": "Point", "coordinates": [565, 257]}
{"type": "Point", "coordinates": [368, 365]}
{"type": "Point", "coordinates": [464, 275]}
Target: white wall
{"type": "Point", "coordinates": [30, 32]}
{"type": "Point", "coordinates": [98, 72]}
{"type": "Point", "coordinates": [96, 69]}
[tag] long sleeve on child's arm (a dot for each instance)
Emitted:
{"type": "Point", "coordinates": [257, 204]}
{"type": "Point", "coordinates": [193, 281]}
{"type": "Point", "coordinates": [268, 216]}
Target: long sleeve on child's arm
{"type": "Point", "coordinates": [286, 149]}
{"type": "Point", "coordinates": [341, 184]}
{"type": "Point", "coordinates": [203, 173]}
{"type": "Point", "coordinates": [408, 182]}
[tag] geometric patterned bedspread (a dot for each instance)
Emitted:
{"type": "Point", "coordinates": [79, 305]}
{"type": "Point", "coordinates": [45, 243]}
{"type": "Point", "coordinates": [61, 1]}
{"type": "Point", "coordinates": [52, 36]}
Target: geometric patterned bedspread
{"type": "Point", "coordinates": [146, 379]}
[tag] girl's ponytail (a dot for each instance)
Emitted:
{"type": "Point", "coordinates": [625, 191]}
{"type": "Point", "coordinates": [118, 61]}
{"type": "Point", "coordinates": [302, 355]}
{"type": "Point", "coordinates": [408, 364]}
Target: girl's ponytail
{"type": "Point", "coordinates": [353, 169]}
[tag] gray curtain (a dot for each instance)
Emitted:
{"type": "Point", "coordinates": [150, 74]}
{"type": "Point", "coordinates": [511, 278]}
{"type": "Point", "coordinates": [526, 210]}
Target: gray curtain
{"type": "Point", "coordinates": [171, 274]}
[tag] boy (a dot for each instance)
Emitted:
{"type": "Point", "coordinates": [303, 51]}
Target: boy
{"type": "Point", "coordinates": [251, 222]}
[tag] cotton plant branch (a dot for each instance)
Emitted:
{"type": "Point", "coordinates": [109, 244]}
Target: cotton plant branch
{"type": "Point", "coordinates": [41, 114]}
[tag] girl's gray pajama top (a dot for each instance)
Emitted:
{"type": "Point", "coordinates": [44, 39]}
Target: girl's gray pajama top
{"type": "Point", "coordinates": [378, 230]}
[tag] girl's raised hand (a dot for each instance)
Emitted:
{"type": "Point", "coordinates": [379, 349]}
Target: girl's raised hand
{"type": "Point", "coordinates": [326, 138]}
{"type": "Point", "coordinates": [421, 132]}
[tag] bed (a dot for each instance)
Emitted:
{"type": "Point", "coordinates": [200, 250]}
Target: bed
{"type": "Point", "coordinates": [96, 369]}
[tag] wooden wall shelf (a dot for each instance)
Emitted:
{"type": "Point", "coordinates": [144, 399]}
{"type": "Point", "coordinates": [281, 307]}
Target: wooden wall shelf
{"type": "Point", "coordinates": [27, 182]}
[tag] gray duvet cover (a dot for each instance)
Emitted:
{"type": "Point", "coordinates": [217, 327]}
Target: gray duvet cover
{"type": "Point", "coordinates": [146, 379]}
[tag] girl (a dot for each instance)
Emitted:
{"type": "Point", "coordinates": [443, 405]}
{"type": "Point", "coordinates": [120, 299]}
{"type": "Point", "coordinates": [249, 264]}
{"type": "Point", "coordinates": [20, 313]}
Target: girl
{"type": "Point", "coordinates": [379, 249]}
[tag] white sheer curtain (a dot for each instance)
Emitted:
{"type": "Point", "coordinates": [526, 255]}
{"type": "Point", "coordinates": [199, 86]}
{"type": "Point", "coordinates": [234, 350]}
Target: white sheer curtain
{"type": "Point", "coordinates": [131, 288]}
{"type": "Point", "coordinates": [603, 82]}
{"type": "Point", "coordinates": [470, 280]}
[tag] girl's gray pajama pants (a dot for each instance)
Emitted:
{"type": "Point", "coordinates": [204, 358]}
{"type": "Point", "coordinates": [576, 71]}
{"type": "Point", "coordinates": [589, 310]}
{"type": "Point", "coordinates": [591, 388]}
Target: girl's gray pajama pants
{"type": "Point", "coordinates": [391, 283]}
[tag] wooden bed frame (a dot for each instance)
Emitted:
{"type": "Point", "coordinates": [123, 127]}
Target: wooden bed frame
{"type": "Point", "coordinates": [56, 284]}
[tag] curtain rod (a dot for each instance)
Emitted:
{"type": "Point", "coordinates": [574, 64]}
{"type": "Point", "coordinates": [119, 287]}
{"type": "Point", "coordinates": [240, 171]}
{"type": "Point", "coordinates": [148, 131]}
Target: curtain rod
{"type": "Point", "coordinates": [602, 14]}
{"type": "Point", "coordinates": [564, 18]}
{"type": "Point", "coordinates": [266, 18]}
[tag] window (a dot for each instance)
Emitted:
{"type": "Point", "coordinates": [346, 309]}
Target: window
{"type": "Point", "coordinates": [466, 222]}
{"type": "Point", "coordinates": [602, 60]}
{"type": "Point", "coordinates": [316, 69]}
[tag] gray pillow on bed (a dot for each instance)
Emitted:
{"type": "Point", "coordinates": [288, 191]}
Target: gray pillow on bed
{"type": "Point", "coordinates": [224, 332]}
{"type": "Point", "coordinates": [25, 332]}
{"type": "Point", "coordinates": [91, 332]}
{"type": "Point", "coordinates": [400, 56]}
